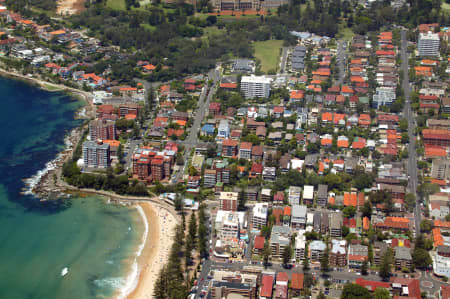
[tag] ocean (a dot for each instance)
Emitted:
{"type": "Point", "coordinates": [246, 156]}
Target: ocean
{"type": "Point", "coordinates": [96, 241]}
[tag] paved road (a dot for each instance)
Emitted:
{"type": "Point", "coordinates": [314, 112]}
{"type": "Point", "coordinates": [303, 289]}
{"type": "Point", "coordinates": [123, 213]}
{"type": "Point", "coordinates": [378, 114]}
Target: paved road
{"type": "Point", "coordinates": [412, 158]}
{"type": "Point", "coordinates": [341, 56]}
{"type": "Point", "coordinates": [203, 105]}
{"type": "Point", "coordinates": [284, 56]}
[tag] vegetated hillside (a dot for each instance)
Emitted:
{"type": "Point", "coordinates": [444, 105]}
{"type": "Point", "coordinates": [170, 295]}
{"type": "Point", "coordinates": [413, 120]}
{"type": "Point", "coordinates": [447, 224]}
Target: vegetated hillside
{"type": "Point", "coordinates": [42, 4]}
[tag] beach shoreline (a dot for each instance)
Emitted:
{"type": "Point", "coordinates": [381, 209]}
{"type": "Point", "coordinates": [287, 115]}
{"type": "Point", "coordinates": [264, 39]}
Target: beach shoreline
{"type": "Point", "coordinates": [159, 220]}
{"type": "Point", "coordinates": [154, 255]}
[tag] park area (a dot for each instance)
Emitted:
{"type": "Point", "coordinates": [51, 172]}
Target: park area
{"type": "Point", "coordinates": [268, 53]}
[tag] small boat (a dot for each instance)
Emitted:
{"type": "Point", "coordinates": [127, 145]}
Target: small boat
{"type": "Point", "coordinates": [64, 271]}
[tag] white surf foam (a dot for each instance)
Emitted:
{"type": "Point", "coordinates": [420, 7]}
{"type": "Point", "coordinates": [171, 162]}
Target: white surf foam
{"type": "Point", "coordinates": [129, 283]}
{"type": "Point", "coordinates": [32, 182]}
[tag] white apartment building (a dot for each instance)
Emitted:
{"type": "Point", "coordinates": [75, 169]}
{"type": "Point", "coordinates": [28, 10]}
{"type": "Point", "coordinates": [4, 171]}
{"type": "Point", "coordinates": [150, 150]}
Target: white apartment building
{"type": "Point", "coordinates": [259, 215]}
{"type": "Point", "coordinates": [294, 195]}
{"type": "Point", "coordinates": [300, 245]}
{"type": "Point", "coordinates": [255, 86]}
{"type": "Point", "coordinates": [230, 226]}
{"type": "Point", "coordinates": [428, 44]}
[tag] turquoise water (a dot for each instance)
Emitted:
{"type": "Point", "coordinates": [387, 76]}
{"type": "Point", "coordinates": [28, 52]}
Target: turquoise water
{"type": "Point", "coordinates": [96, 241]}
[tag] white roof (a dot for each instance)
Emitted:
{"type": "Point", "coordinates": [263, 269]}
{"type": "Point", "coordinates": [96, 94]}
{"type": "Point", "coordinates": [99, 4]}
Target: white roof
{"type": "Point", "coordinates": [308, 192]}
{"type": "Point", "coordinates": [260, 210]}
{"type": "Point", "coordinates": [297, 163]}
{"type": "Point", "coordinates": [256, 79]}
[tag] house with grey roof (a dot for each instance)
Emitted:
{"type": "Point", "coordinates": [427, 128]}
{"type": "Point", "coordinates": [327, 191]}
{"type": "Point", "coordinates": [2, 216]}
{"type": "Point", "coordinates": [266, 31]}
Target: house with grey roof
{"type": "Point", "coordinates": [403, 257]}
{"type": "Point", "coordinates": [322, 195]}
{"type": "Point", "coordinates": [243, 66]}
{"type": "Point", "coordinates": [298, 216]}
{"type": "Point", "coordinates": [279, 240]}
{"type": "Point", "coordinates": [336, 221]}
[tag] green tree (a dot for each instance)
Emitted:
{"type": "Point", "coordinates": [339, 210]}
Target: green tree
{"type": "Point", "coordinates": [349, 211]}
{"type": "Point", "coordinates": [366, 209]}
{"type": "Point", "coordinates": [364, 268]}
{"type": "Point", "coordinates": [355, 291]}
{"type": "Point", "coordinates": [381, 293]}
{"type": "Point", "coordinates": [426, 226]}
{"type": "Point", "coordinates": [325, 261]}
{"type": "Point", "coordinates": [178, 203]}
{"type": "Point", "coordinates": [287, 255]}
{"type": "Point", "coordinates": [266, 253]}
{"type": "Point", "coordinates": [385, 267]}
{"type": "Point", "coordinates": [421, 258]}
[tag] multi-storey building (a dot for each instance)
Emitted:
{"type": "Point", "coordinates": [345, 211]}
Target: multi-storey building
{"type": "Point", "coordinates": [298, 218]}
{"type": "Point", "coordinates": [317, 249]}
{"type": "Point", "coordinates": [402, 257]}
{"type": "Point", "coordinates": [336, 225]}
{"type": "Point", "coordinates": [357, 255]}
{"type": "Point", "coordinates": [338, 253]}
{"type": "Point", "coordinates": [157, 167]}
{"type": "Point", "coordinates": [279, 240]}
{"type": "Point", "coordinates": [294, 195]}
{"type": "Point", "coordinates": [102, 130]}
{"type": "Point", "coordinates": [245, 150]}
{"type": "Point", "coordinates": [150, 164]}
{"type": "Point", "coordinates": [428, 44]}
{"type": "Point", "coordinates": [228, 201]}
{"type": "Point", "coordinates": [440, 169]}
{"type": "Point", "coordinates": [322, 195]}
{"type": "Point", "coordinates": [96, 154]}
{"type": "Point", "coordinates": [229, 148]}
{"type": "Point", "coordinates": [300, 245]}
{"type": "Point", "coordinates": [209, 178]}
{"type": "Point", "coordinates": [230, 227]}
{"type": "Point", "coordinates": [255, 86]}
{"type": "Point", "coordinates": [259, 215]}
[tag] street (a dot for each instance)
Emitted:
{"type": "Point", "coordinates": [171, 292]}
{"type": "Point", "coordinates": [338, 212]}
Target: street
{"type": "Point", "coordinates": [203, 105]}
{"type": "Point", "coordinates": [341, 56]}
{"type": "Point", "coordinates": [407, 112]}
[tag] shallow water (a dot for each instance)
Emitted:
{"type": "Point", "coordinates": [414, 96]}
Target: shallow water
{"type": "Point", "coordinates": [94, 240]}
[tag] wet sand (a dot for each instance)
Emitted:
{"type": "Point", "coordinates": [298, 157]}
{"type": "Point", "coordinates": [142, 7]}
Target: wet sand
{"type": "Point", "coordinates": [161, 230]}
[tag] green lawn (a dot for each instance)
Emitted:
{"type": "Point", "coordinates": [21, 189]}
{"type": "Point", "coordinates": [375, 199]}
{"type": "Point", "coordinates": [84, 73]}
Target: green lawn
{"type": "Point", "coordinates": [268, 53]}
{"type": "Point", "coordinates": [446, 8]}
{"type": "Point", "coordinates": [208, 31]}
{"type": "Point", "coordinates": [116, 4]}
{"type": "Point", "coordinates": [120, 4]}
{"type": "Point", "coordinates": [346, 33]}
{"type": "Point", "coordinates": [148, 26]}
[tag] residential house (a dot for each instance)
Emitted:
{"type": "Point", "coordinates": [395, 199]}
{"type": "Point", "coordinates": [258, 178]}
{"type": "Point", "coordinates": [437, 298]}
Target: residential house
{"type": "Point", "coordinates": [357, 255]}
{"type": "Point", "coordinates": [298, 217]}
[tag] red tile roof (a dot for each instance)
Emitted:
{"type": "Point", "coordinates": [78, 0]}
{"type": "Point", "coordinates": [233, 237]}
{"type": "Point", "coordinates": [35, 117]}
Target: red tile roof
{"type": "Point", "coordinates": [445, 291]}
{"type": "Point", "coordinates": [297, 94]}
{"type": "Point", "coordinates": [229, 142]}
{"type": "Point", "coordinates": [297, 281]}
{"type": "Point", "coordinates": [282, 276]}
{"type": "Point", "coordinates": [372, 285]}
{"type": "Point", "coordinates": [266, 286]}
{"type": "Point", "coordinates": [259, 242]}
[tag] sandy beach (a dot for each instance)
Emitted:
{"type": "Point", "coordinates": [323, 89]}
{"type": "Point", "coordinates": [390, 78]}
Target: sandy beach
{"type": "Point", "coordinates": [161, 230]}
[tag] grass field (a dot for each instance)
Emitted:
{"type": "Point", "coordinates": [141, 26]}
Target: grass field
{"type": "Point", "coordinates": [120, 4]}
{"type": "Point", "coordinates": [268, 53]}
{"type": "Point", "coordinates": [208, 31]}
{"type": "Point", "coordinates": [346, 33]}
{"type": "Point", "coordinates": [446, 8]}
{"type": "Point", "coordinates": [116, 4]}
